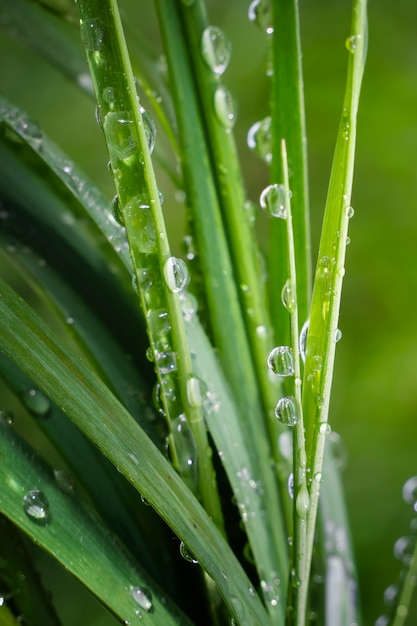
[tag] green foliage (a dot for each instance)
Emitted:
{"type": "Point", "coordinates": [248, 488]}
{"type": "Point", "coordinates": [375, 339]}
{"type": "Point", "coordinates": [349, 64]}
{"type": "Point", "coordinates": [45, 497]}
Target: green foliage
{"type": "Point", "coordinates": [208, 443]}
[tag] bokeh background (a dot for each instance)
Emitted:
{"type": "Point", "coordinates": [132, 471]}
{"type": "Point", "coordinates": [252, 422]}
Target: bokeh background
{"type": "Point", "coordinates": [374, 405]}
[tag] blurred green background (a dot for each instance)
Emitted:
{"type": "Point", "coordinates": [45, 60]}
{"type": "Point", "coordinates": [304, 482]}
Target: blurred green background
{"type": "Point", "coordinates": [374, 405]}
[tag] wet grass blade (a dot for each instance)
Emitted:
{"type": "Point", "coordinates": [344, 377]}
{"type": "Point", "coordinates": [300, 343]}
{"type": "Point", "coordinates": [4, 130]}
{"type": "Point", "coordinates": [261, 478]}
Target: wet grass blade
{"type": "Point", "coordinates": [98, 414]}
{"type": "Point", "coordinates": [69, 530]}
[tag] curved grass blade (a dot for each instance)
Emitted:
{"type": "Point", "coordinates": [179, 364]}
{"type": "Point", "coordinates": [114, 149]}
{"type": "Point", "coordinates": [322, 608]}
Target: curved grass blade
{"type": "Point", "coordinates": [288, 122]}
{"type": "Point", "coordinates": [98, 414]}
{"type": "Point", "coordinates": [21, 584]}
{"type": "Point", "coordinates": [62, 524]}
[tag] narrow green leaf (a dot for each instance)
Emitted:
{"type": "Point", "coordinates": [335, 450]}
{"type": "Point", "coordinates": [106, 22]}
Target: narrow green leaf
{"type": "Point", "coordinates": [98, 414]}
{"type": "Point", "coordinates": [62, 524]}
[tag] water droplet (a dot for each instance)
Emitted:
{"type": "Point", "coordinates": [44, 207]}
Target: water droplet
{"type": "Point", "coordinates": [196, 391]}
{"type": "Point", "coordinates": [92, 34]}
{"type": "Point", "coordinates": [260, 13]}
{"type": "Point", "coordinates": [176, 274]}
{"type": "Point", "coordinates": [211, 403]}
{"type": "Point", "coordinates": [142, 597]}
{"type": "Point", "coordinates": [259, 139]}
{"type": "Point", "coordinates": [117, 210]}
{"type": "Point", "coordinates": [186, 554]}
{"type": "Point", "coordinates": [350, 212]}
{"type": "Point", "coordinates": [303, 340]}
{"type": "Point", "coordinates": [36, 402]}
{"type": "Point", "coordinates": [150, 129]}
{"type": "Point", "coordinates": [6, 417]}
{"type": "Point", "coordinates": [286, 411]}
{"type": "Point", "coordinates": [317, 363]}
{"type": "Point", "coordinates": [36, 507]}
{"type": "Point", "coordinates": [120, 132]}
{"type": "Point", "coordinates": [159, 321]}
{"type": "Point", "coordinates": [325, 429]}
{"type": "Point", "coordinates": [139, 214]}
{"type": "Point", "coordinates": [383, 620]}
{"type": "Point", "coordinates": [338, 335]}
{"type": "Point", "coordinates": [410, 492]}
{"type": "Point", "coordinates": [189, 305]}
{"type": "Point", "coordinates": [225, 107]}
{"type": "Point", "coordinates": [185, 449]}
{"type": "Point", "coordinates": [65, 481]}
{"type": "Point", "coordinates": [390, 595]}
{"type": "Point", "coordinates": [272, 200]}
{"type": "Point", "coordinates": [30, 131]}
{"type": "Point", "coordinates": [404, 549]}
{"type": "Point", "coordinates": [288, 296]}
{"type": "Point", "coordinates": [216, 49]}
{"type": "Point", "coordinates": [280, 361]}
{"type": "Point", "coordinates": [302, 502]}
{"type": "Point", "coordinates": [318, 477]}
{"type": "Point", "coordinates": [189, 247]}
{"type": "Point", "coordinates": [351, 43]}
{"type": "Point", "coordinates": [290, 485]}
{"type": "Point", "coordinates": [166, 361]}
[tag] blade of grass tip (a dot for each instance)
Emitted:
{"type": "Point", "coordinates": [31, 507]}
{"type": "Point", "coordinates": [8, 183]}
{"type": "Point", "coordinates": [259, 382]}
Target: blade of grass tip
{"type": "Point", "coordinates": [226, 322]}
{"type": "Point", "coordinates": [288, 122]}
{"type": "Point", "coordinates": [341, 582]}
{"type": "Point", "coordinates": [209, 52]}
{"type": "Point", "coordinates": [99, 415]}
{"type": "Point", "coordinates": [323, 332]}
{"type": "Point", "coordinates": [62, 524]}
{"type": "Point", "coordinates": [290, 412]}
{"type": "Point", "coordinates": [20, 581]}
{"type": "Point", "coordinates": [130, 139]}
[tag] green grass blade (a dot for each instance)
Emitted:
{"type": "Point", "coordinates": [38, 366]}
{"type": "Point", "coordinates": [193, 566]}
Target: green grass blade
{"type": "Point", "coordinates": [323, 332]}
{"type": "Point", "coordinates": [20, 582]}
{"type": "Point", "coordinates": [288, 122]}
{"type": "Point", "coordinates": [98, 414]}
{"type": "Point", "coordinates": [64, 526]}
{"type": "Point", "coordinates": [129, 140]}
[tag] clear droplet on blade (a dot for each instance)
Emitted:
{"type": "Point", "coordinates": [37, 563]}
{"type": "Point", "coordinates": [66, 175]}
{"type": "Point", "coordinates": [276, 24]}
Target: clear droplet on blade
{"type": "Point", "coordinates": [272, 200]}
{"type": "Point", "coordinates": [36, 507]}
{"type": "Point", "coordinates": [225, 107]}
{"type": "Point", "coordinates": [142, 597]}
{"type": "Point", "coordinates": [36, 402]}
{"type": "Point", "coordinates": [216, 49]}
{"type": "Point", "coordinates": [280, 361]}
{"type": "Point", "coordinates": [259, 139]}
{"type": "Point", "coordinates": [176, 274]}
{"type": "Point", "coordinates": [260, 13]}
{"type": "Point", "coordinates": [410, 492]}
{"type": "Point", "coordinates": [286, 411]}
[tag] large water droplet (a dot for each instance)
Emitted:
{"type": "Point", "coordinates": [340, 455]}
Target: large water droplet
{"type": "Point", "coordinates": [225, 107]}
{"type": "Point", "coordinates": [216, 49]}
{"type": "Point", "coordinates": [159, 321]}
{"type": "Point", "coordinates": [166, 361]}
{"type": "Point", "coordinates": [410, 492]}
{"type": "Point", "coordinates": [303, 340]}
{"type": "Point", "coordinates": [290, 485]}
{"type": "Point", "coordinates": [186, 554]}
{"type": "Point", "coordinates": [189, 306]}
{"type": "Point", "coordinates": [120, 132]}
{"type": "Point", "coordinates": [142, 597]}
{"type": "Point", "coordinates": [286, 411]}
{"type": "Point", "coordinates": [65, 481]}
{"type": "Point", "coordinates": [302, 502]}
{"type": "Point", "coordinates": [139, 213]}
{"type": "Point", "coordinates": [390, 595]}
{"type": "Point", "coordinates": [36, 402]}
{"type": "Point", "coordinates": [383, 620]}
{"type": "Point", "coordinates": [259, 139]}
{"type": "Point", "coordinates": [260, 13]}
{"type": "Point", "coordinates": [288, 296]}
{"type": "Point", "coordinates": [280, 361]}
{"type": "Point", "coordinates": [36, 507]}
{"type": "Point", "coordinates": [351, 43]}
{"type": "Point", "coordinates": [176, 274]}
{"type": "Point", "coordinates": [91, 31]}
{"type": "Point", "coordinates": [272, 200]}
{"type": "Point", "coordinates": [404, 549]}
{"type": "Point", "coordinates": [196, 391]}
{"type": "Point", "coordinates": [186, 450]}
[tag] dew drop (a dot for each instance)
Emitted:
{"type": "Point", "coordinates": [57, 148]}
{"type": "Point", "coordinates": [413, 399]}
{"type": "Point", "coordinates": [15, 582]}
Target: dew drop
{"type": "Point", "coordinates": [290, 485]}
{"type": "Point", "coordinates": [36, 402]}
{"type": "Point", "coordinates": [225, 107]}
{"type": "Point", "coordinates": [176, 274]}
{"type": "Point", "coordinates": [303, 340]}
{"type": "Point", "coordinates": [189, 306]}
{"type": "Point", "coordinates": [159, 321]}
{"type": "Point", "coordinates": [216, 49]}
{"type": "Point", "coordinates": [295, 579]}
{"type": "Point", "coordinates": [383, 620]}
{"type": "Point", "coordinates": [338, 335]}
{"type": "Point", "coordinates": [31, 132]}
{"type": "Point", "coordinates": [6, 417]}
{"type": "Point", "coordinates": [109, 94]}
{"type": "Point", "coordinates": [186, 554]}
{"type": "Point", "coordinates": [185, 449]}
{"type": "Point", "coordinates": [189, 247]}
{"type": "Point", "coordinates": [36, 507]}
{"type": "Point", "coordinates": [142, 597]}
{"type": "Point", "coordinates": [272, 200]}
{"type": "Point", "coordinates": [317, 363]}
{"type": "Point", "coordinates": [288, 297]}
{"type": "Point", "coordinates": [196, 391]}
{"type": "Point", "coordinates": [211, 403]}
{"type": "Point", "coordinates": [139, 213]}
{"type": "Point", "coordinates": [286, 411]}
{"type": "Point", "coordinates": [410, 492]}
{"type": "Point", "coordinates": [166, 362]}
{"type": "Point", "coordinates": [404, 549]}
{"type": "Point", "coordinates": [325, 429]}
{"type": "Point", "coordinates": [390, 595]}
{"type": "Point", "coordinates": [120, 133]}
{"type": "Point", "coordinates": [351, 43]}
{"type": "Point", "coordinates": [302, 502]}
{"type": "Point", "coordinates": [259, 139]}
{"type": "Point", "coordinates": [350, 212]}
{"type": "Point", "coordinates": [117, 210]}
{"type": "Point", "coordinates": [92, 34]}
{"type": "Point", "coordinates": [280, 361]}
{"type": "Point", "coordinates": [260, 13]}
